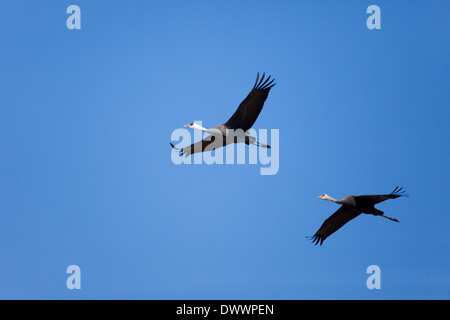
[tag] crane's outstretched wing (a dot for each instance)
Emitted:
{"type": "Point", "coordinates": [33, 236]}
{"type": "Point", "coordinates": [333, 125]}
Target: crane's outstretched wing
{"type": "Point", "coordinates": [209, 143]}
{"type": "Point", "coordinates": [343, 215]}
{"type": "Point", "coordinates": [372, 199]}
{"type": "Point", "coordinates": [249, 109]}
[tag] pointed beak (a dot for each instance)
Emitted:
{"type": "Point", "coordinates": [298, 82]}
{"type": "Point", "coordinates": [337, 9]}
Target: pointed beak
{"type": "Point", "coordinates": [186, 126]}
{"type": "Point", "coordinates": [319, 197]}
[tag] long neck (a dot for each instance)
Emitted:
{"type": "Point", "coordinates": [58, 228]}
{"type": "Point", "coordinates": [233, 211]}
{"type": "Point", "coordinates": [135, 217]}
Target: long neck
{"type": "Point", "coordinates": [333, 200]}
{"type": "Point", "coordinates": [199, 127]}
{"type": "Point", "coordinates": [213, 131]}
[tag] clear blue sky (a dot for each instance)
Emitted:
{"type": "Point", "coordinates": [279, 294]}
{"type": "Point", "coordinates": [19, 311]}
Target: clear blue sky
{"type": "Point", "coordinates": [87, 178]}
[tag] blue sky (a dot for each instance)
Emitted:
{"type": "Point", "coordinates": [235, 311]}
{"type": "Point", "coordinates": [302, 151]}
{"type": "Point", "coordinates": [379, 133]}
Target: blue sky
{"type": "Point", "coordinates": [87, 178]}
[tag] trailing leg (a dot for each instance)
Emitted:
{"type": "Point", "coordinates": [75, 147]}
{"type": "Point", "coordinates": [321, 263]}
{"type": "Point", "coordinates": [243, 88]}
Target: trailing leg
{"type": "Point", "coordinates": [393, 219]}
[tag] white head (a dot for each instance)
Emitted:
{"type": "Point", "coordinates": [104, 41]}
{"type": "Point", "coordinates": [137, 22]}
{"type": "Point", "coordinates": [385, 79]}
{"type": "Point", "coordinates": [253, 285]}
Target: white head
{"type": "Point", "coordinates": [195, 126]}
{"type": "Point", "coordinates": [325, 197]}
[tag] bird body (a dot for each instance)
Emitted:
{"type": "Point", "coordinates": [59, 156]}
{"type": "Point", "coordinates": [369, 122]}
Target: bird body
{"type": "Point", "coordinates": [351, 207]}
{"type": "Point", "coordinates": [235, 129]}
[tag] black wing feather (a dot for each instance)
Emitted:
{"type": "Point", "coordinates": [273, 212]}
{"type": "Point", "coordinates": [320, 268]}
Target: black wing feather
{"type": "Point", "coordinates": [372, 199]}
{"type": "Point", "coordinates": [250, 108]}
{"type": "Point", "coordinates": [209, 143]}
{"type": "Point", "coordinates": [343, 215]}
